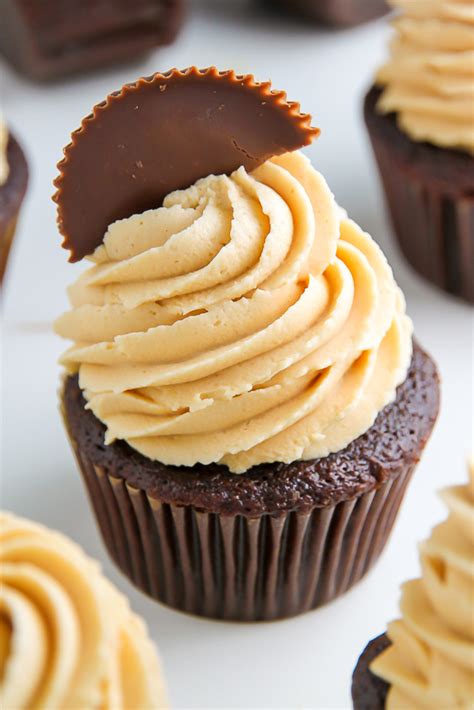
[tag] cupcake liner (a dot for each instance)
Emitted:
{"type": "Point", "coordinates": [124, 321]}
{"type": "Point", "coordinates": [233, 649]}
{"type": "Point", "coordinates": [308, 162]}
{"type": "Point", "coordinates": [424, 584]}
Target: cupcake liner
{"type": "Point", "coordinates": [11, 198]}
{"type": "Point", "coordinates": [433, 222]}
{"type": "Point", "coordinates": [235, 567]}
{"type": "Point", "coordinates": [369, 692]}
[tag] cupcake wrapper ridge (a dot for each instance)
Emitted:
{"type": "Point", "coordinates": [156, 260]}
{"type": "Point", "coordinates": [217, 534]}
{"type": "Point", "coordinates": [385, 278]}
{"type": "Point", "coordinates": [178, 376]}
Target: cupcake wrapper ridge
{"type": "Point", "coordinates": [236, 567]}
{"type": "Point", "coordinates": [433, 222]}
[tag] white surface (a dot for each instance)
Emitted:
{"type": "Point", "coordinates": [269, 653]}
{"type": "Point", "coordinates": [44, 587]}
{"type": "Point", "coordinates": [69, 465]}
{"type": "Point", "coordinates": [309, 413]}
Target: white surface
{"type": "Point", "coordinates": [301, 663]}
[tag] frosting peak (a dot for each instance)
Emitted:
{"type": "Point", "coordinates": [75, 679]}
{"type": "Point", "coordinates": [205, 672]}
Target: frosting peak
{"type": "Point", "coordinates": [240, 323]}
{"type": "Point", "coordinates": [429, 78]}
{"type": "Point", "coordinates": [68, 639]}
{"type": "Point", "coordinates": [430, 661]}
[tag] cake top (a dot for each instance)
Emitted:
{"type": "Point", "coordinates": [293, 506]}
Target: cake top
{"type": "Point", "coordinates": [163, 133]}
{"type": "Point", "coordinates": [68, 638]}
{"type": "Point", "coordinates": [429, 77]}
{"type": "Point", "coordinates": [430, 661]}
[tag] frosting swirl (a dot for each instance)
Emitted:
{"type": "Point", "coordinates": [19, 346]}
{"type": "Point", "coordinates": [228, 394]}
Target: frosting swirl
{"type": "Point", "coordinates": [4, 168]}
{"type": "Point", "coordinates": [68, 639]}
{"type": "Point", "coordinates": [243, 322]}
{"type": "Point", "coordinates": [429, 664]}
{"type": "Point", "coordinates": [429, 78]}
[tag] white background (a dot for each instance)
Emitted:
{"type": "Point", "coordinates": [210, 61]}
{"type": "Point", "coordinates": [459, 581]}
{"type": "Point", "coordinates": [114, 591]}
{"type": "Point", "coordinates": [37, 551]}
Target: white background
{"type": "Point", "coordinates": [304, 662]}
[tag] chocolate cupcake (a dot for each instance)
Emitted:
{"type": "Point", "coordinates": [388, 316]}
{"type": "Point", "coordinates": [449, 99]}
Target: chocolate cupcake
{"type": "Point", "coordinates": [420, 120]}
{"type": "Point", "coordinates": [425, 659]}
{"type": "Point", "coordinates": [69, 638]}
{"type": "Point", "coordinates": [49, 39]}
{"type": "Point", "coordinates": [335, 13]}
{"type": "Point", "coordinates": [242, 395]}
{"type": "Point", "coordinates": [13, 182]}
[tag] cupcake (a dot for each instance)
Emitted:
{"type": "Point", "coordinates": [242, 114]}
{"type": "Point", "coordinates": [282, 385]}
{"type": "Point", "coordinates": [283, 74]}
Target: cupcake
{"type": "Point", "coordinates": [243, 395]}
{"type": "Point", "coordinates": [68, 637]}
{"type": "Point", "coordinates": [50, 39]}
{"type": "Point", "coordinates": [425, 659]}
{"type": "Point", "coordinates": [335, 13]}
{"type": "Point", "coordinates": [13, 182]}
{"type": "Point", "coordinates": [419, 115]}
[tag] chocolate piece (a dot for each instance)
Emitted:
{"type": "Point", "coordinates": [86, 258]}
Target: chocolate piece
{"type": "Point", "coordinates": [430, 195]}
{"type": "Point", "coordinates": [273, 542]}
{"type": "Point", "coordinates": [368, 691]}
{"type": "Point", "coordinates": [45, 39]}
{"type": "Point", "coordinates": [12, 193]}
{"type": "Point", "coordinates": [163, 133]}
{"type": "Point", "coordinates": [336, 13]}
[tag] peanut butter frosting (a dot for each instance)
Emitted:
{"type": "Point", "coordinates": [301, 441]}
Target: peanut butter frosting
{"type": "Point", "coordinates": [68, 639]}
{"type": "Point", "coordinates": [429, 77]}
{"type": "Point", "coordinates": [4, 168]}
{"type": "Point", "coordinates": [244, 321]}
{"type": "Point", "coordinates": [430, 663]}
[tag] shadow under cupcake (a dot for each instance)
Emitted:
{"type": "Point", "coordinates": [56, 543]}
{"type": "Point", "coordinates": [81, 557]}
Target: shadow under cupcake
{"type": "Point", "coordinates": [243, 395]}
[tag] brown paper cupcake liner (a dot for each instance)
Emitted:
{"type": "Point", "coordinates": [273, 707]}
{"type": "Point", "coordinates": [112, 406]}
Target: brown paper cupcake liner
{"type": "Point", "coordinates": [432, 215]}
{"type": "Point", "coordinates": [237, 567]}
{"type": "Point", "coordinates": [11, 198]}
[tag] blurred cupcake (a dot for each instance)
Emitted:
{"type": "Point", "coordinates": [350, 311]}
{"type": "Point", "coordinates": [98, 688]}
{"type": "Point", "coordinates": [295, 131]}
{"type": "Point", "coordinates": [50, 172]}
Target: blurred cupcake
{"type": "Point", "coordinates": [243, 396]}
{"type": "Point", "coordinates": [335, 13]}
{"type": "Point", "coordinates": [49, 39]}
{"type": "Point", "coordinates": [426, 658]}
{"type": "Point", "coordinates": [68, 638]}
{"type": "Point", "coordinates": [13, 182]}
{"type": "Point", "coordinates": [420, 117]}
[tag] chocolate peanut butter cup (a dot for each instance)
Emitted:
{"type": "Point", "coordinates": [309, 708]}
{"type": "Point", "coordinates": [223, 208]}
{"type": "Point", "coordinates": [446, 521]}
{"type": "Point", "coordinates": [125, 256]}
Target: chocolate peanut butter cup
{"type": "Point", "coordinates": [163, 133]}
{"type": "Point", "coordinates": [243, 397]}
{"type": "Point", "coordinates": [12, 193]}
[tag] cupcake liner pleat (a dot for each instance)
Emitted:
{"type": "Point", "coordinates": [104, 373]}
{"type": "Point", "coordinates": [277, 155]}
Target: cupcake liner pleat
{"type": "Point", "coordinates": [434, 227]}
{"type": "Point", "coordinates": [236, 567]}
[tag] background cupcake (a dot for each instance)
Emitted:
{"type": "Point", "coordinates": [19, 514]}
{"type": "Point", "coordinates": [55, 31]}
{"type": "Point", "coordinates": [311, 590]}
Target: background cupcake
{"type": "Point", "coordinates": [69, 639]}
{"type": "Point", "coordinates": [49, 40]}
{"type": "Point", "coordinates": [232, 394]}
{"type": "Point", "coordinates": [13, 182]}
{"type": "Point", "coordinates": [335, 13]}
{"type": "Point", "coordinates": [425, 659]}
{"type": "Point", "coordinates": [420, 120]}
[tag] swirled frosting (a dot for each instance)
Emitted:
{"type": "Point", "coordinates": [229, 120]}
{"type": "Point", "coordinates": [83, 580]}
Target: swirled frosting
{"type": "Point", "coordinates": [429, 78]}
{"type": "Point", "coordinates": [68, 639]}
{"type": "Point", "coordinates": [242, 322]}
{"type": "Point", "coordinates": [430, 662]}
{"type": "Point", "coordinates": [4, 168]}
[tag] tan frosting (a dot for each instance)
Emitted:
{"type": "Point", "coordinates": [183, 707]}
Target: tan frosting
{"type": "Point", "coordinates": [68, 639]}
{"type": "Point", "coordinates": [431, 661]}
{"type": "Point", "coordinates": [243, 322]}
{"type": "Point", "coordinates": [4, 169]}
{"type": "Point", "coordinates": [429, 78]}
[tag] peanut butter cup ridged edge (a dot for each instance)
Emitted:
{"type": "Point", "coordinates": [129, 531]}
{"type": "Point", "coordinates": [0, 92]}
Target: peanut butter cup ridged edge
{"type": "Point", "coordinates": [162, 133]}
